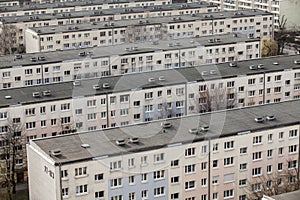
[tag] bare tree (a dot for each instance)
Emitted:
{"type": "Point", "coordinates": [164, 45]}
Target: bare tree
{"type": "Point", "coordinates": [215, 99]}
{"type": "Point", "coordinates": [281, 35]}
{"type": "Point", "coordinates": [8, 39]}
{"type": "Point", "coordinates": [273, 184]}
{"type": "Point", "coordinates": [12, 149]}
{"type": "Point", "coordinates": [269, 47]}
{"type": "Point", "coordinates": [142, 32]}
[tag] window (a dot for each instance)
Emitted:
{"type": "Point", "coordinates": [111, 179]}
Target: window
{"type": "Point", "coordinates": [30, 125]}
{"type": "Point", "coordinates": [293, 149]}
{"type": "Point", "coordinates": [277, 89]}
{"type": "Point", "coordinates": [257, 156]}
{"type": "Point", "coordinates": [91, 103]}
{"type": "Point", "coordinates": [280, 166]}
{"type": "Point", "coordinates": [112, 100]}
{"type": "Point", "coordinates": [175, 179]}
{"type": "Point", "coordinates": [160, 191]}
{"type": "Point", "coordinates": [293, 133]}
{"type": "Point", "coordinates": [148, 108]}
{"type": "Point", "coordinates": [215, 180]}
{"type": "Point", "coordinates": [251, 81]}
{"type": "Point", "coordinates": [278, 78]}
{"type": "Point", "coordinates": [229, 145]}
{"type": "Point", "coordinates": [190, 151]}
{"type": "Point", "coordinates": [292, 164]}
{"type": "Point", "coordinates": [256, 171]}
{"type": "Point", "coordinates": [215, 196]}
{"type": "Point", "coordinates": [174, 163]}
{"type": "Point", "coordinates": [81, 171]}
{"type": "Point", "coordinates": [124, 112]}
{"type": "Point", "coordinates": [53, 108]}
{"type": "Point", "coordinates": [270, 137]}
{"type": "Point", "coordinates": [116, 165]}
{"type": "Point", "coordinates": [159, 157]}
{"type": "Point", "coordinates": [270, 153]}
{"type": "Point", "coordinates": [144, 177]}
{"type": "Point", "coordinates": [269, 169]}
{"type": "Point", "coordinates": [136, 103]}
{"type": "Point", "coordinates": [257, 139]}
{"type": "Point", "coordinates": [131, 162]}
{"type": "Point", "coordinates": [280, 135]}
{"type": "Point", "coordinates": [243, 150]}
{"type": "Point", "coordinates": [131, 196]}
{"type": "Point", "coordinates": [169, 92]}
{"type": "Point", "coordinates": [280, 151]}
{"type": "Point", "coordinates": [65, 106]}
{"type": "Point", "coordinates": [179, 91]}
{"type": "Point", "coordinates": [81, 189]}
{"type": "Point", "coordinates": [99, 194]}
{"type": "Point", "coordinates": [149, 95]}
{"type": "Point", "coordinates": [92, 116]}
{"type": "Point", "coordinates": [174, 196]}
{"type": "Point", "coordinates": [65, 192]}
{"type": "Point", "coordinates": [216, 147]}
{"type": "Point", "coordinates": [243, 182]}
{"type": "Point", "coordinates": [256, 187]}
{"type": "Point", "coordinates": [230, 84]}
{"type": "Point", "coordinates": [124, 98]}
{"type": "Point", "coordinates": [204, 166]}
{"type": "Point", "coordinates": [144, 160]}
{"type": "Point", "coordinates": [190, 168]}
{"type": "Point", "coordinates": [204, 149]}
{"type": "Point", "coordinates": [118, 197]}
{"type": "Point", "coordinates": [215, 163]}
{"type": "Point", "coordinates": [190, 185]}
{"type": "Point", "coordinates": [243, 166]}
{"type": "Point", "coordinates": [204, 182]}
{"type": "Point", "coordinates": [117, 182]}
{"type": "Point", "coordinates": [228, 194]}
{"type": "Point", "coordinates": [30, 111]}
{"type": "Point", "coordinates": [99, 177]}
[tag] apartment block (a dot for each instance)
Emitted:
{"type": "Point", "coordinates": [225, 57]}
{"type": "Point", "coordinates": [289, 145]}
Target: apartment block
{"type": "Point", "coordinates": [73, 6]}
{"type": "Point", "coordinates": [254, 23]}
{"type": "Point", "coordinates": [92, 104]}
{"type": "Point", "coordinates": [201, 157]}
{"type": "Point", "coordinates": [50, 67]}
{"type": "Point", "coordinates": [287, 8]}
{"type": "Point", "coordinates": [22, 22]}
{"type": "Point", "coordinates": [9, 3]}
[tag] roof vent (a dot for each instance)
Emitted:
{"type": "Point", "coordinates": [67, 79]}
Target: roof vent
{"type": "Point", "coordinates": [76, 83]}
{"type": "Point", "coordinates": [7, 97]}
{"type": "Point", "coordinates": [252, 67]}
{"type": "Point", "coordinates": [166, 124]}
{"type": "Point", "coordinates": [275, 63]}
{"type": "Point", "coordinates": [55, 152]}
{"type": "Point", "coordinates": [218, 40]}
{"type": "Point", "coordinates": [33, 59]}
{"type": "Point", "coordinates": [270, 117]}
{"type": "Point", "coordinates": [96, 87]}
{"type": "Point", "coordinates": [134, 140]}
{"type": "Point", "coordinates": [192, 41]}
{"type": "Point", "coordinates": [41, 58]}
{"type": "Point", "coordinates": [177, 44]}
{"type": "Point", "coordinates": [155, 43]}
{"type": "Point", "coordinates": [211, 41]}
{"type": "Point", "coordinates": [82, 53]}
{"type": "Point", "coordinates": [161, 78]}
{"type": "Point", "coordinates": [36, 94]}
{"type": "Point", "coordinates": [259, 119]}
{"type": "Point", "coordinates": [297, 62]}
{"type": "Point", "coordinates": [170, 44]}
{"type": "Point", "coordinates": [127, 49]}
{"type": "Point", "coordinates": [193, 131]}
{"type": "Point", "coordinates": [120, 142]}
{"type": "Point", "coordinates": [47, 93]}
{"type": "Point", "coordinates": [204, 73]}
{"type": "Point", "coordinates": [105, 85]}
{"type": "Point", "coordinates": [151, 80]}
{"type": "Point", "coordinates": [213, 72]}
{"type": "Point", "coordinates": [260, 66]}
{"type": "Point", "coordinates": [204, 128]}
{"type": "Point", "coordinates": [18, 56]}
{"type": "Point", "coordinates": [233, 64]}
{"type": "Point", "coordinates": [85, 146]}
{"type": "Point", "coordinates": [235, 35]}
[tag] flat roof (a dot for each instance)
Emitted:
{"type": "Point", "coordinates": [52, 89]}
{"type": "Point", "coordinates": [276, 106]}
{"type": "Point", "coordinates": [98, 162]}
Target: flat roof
{"type": "Point", "coordinates": [146, 21]}
{"type": "Point", "coordinates": [122, 49]}
{"type": "Point", "coordinates": [151, 135]}
{"type": "Point", "coordinates": [139, 81]}
{"type": "Point", "coordinates": [105, 12]}
{"type": "Point", "coordinates": [288, 196]}
{"type": "Point", "coordinates": [40, 6]}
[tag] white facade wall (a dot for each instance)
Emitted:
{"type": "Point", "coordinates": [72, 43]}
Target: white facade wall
{"type": "Point", "coordinates": [215, 184]}
{"type": "Point", "coordinates": [114, 64]}
{"type": "Point", "coordinates": [167, 101]}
